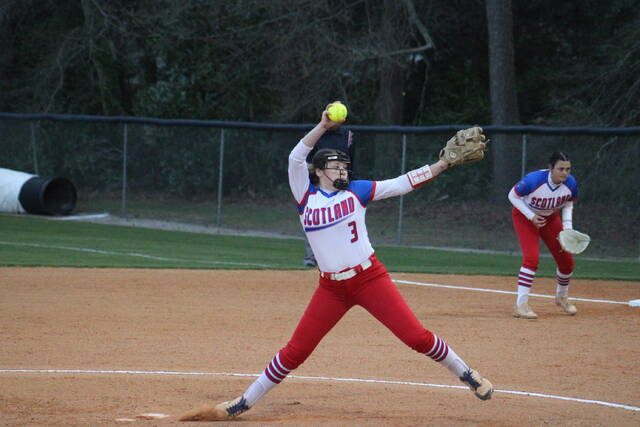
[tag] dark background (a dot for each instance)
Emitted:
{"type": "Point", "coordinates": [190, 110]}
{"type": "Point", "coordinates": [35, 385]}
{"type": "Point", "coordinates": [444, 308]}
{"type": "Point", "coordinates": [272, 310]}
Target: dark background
{"type": "Point", "coordinates": [392, 62]}
{"type": "Point", "coordinates": [408, 62]}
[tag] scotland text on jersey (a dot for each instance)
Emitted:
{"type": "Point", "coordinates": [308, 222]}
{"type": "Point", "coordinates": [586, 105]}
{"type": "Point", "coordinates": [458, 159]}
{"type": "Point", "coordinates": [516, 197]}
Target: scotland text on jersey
{"type": "Point", "coordinates": [318, 218]}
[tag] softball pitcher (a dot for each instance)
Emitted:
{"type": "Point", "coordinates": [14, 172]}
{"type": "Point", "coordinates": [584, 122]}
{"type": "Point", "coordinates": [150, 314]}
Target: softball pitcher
{"type": "Point", "coordinates": [336, 138]}
{"type": "Point", "coordinates": [536, 200]}
{"type": "Point", "coordinates": [332, 213]}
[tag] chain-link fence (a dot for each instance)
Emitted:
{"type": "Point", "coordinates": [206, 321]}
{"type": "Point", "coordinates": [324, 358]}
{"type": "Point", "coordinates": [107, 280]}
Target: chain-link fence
{"type": "Point", "coordinates": [233, 176]}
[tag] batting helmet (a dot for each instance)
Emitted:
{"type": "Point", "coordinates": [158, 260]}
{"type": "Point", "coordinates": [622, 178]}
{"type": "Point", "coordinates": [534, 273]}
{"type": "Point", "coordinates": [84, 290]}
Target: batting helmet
{"type": "Point", "coordinates": [320, 160]}
{"type": "Point", "coordinates": [325, 155]}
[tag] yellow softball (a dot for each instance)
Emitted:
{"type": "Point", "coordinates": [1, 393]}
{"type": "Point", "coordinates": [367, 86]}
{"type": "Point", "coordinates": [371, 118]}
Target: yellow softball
{"type": "Point", "coordinates": [337, 112]}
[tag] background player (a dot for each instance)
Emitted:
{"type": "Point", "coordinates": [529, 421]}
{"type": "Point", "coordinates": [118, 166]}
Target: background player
{"type": "Point", "coordinates": [536, 200]}
{"type": "Point", "coordinates": [332, 212]}
{"type": "Point", "coordinates": [337, 138]}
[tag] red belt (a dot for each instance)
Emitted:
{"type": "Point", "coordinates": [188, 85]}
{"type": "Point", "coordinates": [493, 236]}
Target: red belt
{"type": "Point", "coordinates": [349, 272]}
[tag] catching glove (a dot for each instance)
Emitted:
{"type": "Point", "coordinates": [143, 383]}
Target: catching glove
{"type": "Point", "coordinates": [573, 241]}
{"type": "Point", "coordinates": [468, 145]}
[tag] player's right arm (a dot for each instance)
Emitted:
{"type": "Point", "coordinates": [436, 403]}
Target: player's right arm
{"type": "Point", "coordinates": [311, 138]}
{"type": "Point", "coordinates": [517, 202]}
{"type": "Point", "coordinates": [298, 171]}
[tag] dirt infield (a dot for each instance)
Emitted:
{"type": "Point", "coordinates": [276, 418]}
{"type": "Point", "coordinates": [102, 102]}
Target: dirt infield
{"type": "Point", "coordinates": [96, 346]}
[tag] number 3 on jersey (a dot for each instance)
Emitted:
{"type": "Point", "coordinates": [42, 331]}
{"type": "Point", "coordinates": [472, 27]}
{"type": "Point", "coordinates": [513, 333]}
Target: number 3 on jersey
{"type": "Point", "coordinates": [354, 231]}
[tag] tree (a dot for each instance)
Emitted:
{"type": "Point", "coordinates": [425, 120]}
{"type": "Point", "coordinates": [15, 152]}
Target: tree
{"type": "Point", "coordinates": [278, 60]}
{"type": "Point", "coordinates": [504, 100]}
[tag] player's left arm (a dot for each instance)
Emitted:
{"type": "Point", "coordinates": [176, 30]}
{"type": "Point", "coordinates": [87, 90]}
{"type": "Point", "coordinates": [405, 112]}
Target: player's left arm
{"type": "Point", "coordinates": [409, 181]}
{"type": "Point", "coordinates": [567, 216]}
{"type": "Point", "coordinates": [466, 146]}
{"type": "Point", "coordinates": [567, 209]}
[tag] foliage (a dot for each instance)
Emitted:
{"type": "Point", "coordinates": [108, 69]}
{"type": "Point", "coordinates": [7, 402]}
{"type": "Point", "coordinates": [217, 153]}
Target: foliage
{"type": "Point", "coordinates": [578, 60]}
{"type": "Point", "coordinates": [253, 60]}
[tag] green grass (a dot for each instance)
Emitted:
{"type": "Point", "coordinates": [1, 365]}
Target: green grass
{"type": "Point", "coordinates": [446, 224]}
{"type": "Point", "coordinates": [35, 241]}
{"type": "Point", "coordinates": [274, 217]}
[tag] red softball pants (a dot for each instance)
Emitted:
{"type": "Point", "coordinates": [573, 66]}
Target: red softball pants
{"type": "Point", "coordinates": [373, 290]}
{"type": "Point", "coordinates": [529, 236]}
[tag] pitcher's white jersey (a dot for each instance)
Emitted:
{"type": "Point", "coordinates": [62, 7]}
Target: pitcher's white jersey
{"type": "Point", "coordinates": [334, 222]}
{"type": "Point", "coordinates": [544, 197]}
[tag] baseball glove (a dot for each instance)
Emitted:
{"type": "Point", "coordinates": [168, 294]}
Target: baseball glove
{"type": "Point", "coordinates": [468, 145]}
{"type": "Point", "coordinates": [573, 241]}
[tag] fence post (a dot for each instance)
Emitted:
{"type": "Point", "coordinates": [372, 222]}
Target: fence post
{"type": "Point", "coordinates": [524, 154]}
{"type": "Point", "coordinates": [401, 202]}
{"type": "Point", "coordinates": [220, 168]}
{"type": "Point", "coordinates": [125, 138]}
{"type": "Point", "coordinates": [33, 148]}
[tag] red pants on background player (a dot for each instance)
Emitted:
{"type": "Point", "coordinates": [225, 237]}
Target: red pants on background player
{"type": "Point", "coordinates": [529, 236]}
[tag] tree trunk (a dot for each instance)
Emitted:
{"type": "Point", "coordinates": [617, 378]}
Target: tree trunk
{"type": "Point", "coordinates": [389, 102]}
{"type": "Point", "coordinates": [505, 148]}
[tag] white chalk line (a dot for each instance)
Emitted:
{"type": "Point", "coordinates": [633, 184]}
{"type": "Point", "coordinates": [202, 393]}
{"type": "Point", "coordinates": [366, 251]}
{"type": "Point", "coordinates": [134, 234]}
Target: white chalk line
{"type": "Point", "coordinates": [132, 254]}
{"type": "Point", "coordinates": [496, 291]}
{"type": "Point", "coordinates": [314, 378]}
{"type": "Point", "coordinates": [80, 217]}
{"type": "Point", "coordinates": [542, 395]}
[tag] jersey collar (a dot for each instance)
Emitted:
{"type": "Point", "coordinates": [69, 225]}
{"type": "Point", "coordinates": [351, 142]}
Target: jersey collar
{"type": "Point", "coordinates": [328, 195]}
{"type": "Point", "coordinates": [552, 186]}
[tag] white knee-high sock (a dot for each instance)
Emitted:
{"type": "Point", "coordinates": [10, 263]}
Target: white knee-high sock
{"type": "Point", "coordinates": [443, 354]}
{"type": "Point", "coordinates": [525, 281]}
{"type": "Point", "coordinates": [273, 374]}
{"type": "Point", "coordinates": [562, 288]}
{"type": "Point", "coordinates": [257, 389]}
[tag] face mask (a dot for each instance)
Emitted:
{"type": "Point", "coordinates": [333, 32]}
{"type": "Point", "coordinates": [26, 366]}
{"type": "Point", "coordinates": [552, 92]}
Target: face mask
{"type": "Point", "coordinates": [341, 184]}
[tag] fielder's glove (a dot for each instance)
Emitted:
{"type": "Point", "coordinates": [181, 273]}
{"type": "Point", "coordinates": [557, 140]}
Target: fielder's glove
{"type": "Point", "coordinates": [573, 241]}
{"type": "Point", "coordinates": [468, 145]}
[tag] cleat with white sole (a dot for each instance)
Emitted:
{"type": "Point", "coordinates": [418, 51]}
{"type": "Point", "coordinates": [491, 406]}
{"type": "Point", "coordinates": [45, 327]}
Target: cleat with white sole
{"type": "Point", "coordinates": [220, 412]}
{"type": "Point", "coordinates": [566, 305]}
{"type": "Point", "coordinates": [523, 311]}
